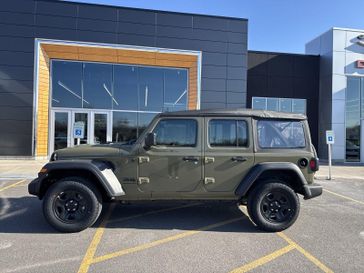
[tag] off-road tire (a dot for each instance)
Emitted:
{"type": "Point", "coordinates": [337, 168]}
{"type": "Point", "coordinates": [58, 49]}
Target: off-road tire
{"type": "Point", "coordinates": [74, 190]}
{"type": "Point", "coordinates": [262, 200]}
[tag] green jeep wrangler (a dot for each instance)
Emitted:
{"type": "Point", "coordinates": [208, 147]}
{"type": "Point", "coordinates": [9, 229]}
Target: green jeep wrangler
{"type": "Point", "coordinates": [259, 158]}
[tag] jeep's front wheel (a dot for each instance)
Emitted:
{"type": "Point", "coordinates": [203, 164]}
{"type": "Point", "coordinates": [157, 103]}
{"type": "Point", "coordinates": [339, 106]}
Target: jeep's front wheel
{"type": "Point", "coordinates": [72, 204]}
{"type": "Point", "coordinates": [273, 206]}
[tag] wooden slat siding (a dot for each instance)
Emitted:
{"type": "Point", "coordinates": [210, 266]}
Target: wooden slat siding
{"type": "Point", "coordinates": [107, 55]}
{"type": "Point", "coordinates": [43, 107]}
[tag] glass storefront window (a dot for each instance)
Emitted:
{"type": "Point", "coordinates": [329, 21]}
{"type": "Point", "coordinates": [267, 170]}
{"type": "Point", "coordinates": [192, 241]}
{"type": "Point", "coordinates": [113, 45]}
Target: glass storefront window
{"type": "Point", "coordinates": [132, 94]}
{"type": "Point", "coordinates": [259, 103]}
{"type": "Point", "coordinates": [175, 89]}
{"type": "Point", "coordinates": [143, 121]}
{"type": "Point", "coordinates": [352, 110]}
{"type": "Point", "coordinates": [272, 104]}
{"type": "Point", "coordinates": [97, 92]}
{"type": "Point", "coordinates": [285, 105]}
{"type": "Point", "coordinates": [280, 104]}
{"type": "Point", "coordinates": [299, 106]}
{"type": "Point", "coordinates": [124, 127]}
{"type": "Point", "coordinates": [125, 87]}
{"type": "Point", "coordinates": [151, 85]}
{"type": "Point", "coordinates": [66, 84]}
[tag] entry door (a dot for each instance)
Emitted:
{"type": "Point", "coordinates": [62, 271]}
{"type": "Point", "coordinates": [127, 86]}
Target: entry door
{"type": "Point", "coordinates": [101, 127]}
{"type": "Point", "coordinates": [81, 116]}
{"type": "Point", "coordinates": [175, 163]}
{"type": "Point", "coordinates": [228, 153]}
{"type": "Point", "coordinates": [97, 126]}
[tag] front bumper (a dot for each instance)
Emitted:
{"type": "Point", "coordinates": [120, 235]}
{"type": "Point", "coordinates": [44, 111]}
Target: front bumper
{"type": "Point", "coordinates": [312, 190]}
{"type": "Point", "coordinates": [34, 187]}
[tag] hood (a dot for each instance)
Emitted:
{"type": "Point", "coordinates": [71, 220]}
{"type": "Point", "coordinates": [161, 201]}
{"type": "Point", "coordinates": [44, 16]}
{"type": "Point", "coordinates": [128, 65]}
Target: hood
{"type": "Point", "coordinates": [93, 151]}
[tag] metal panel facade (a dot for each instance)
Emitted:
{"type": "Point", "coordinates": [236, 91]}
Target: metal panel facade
{"type": "Point", "coordinates": [286, 76]}
{"type": "Point", "coordinates": [223, 42]}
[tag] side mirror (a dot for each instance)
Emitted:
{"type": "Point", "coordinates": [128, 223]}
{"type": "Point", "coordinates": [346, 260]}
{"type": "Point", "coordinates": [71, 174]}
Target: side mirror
{"type": "Point", "coordinates": [150, 140]}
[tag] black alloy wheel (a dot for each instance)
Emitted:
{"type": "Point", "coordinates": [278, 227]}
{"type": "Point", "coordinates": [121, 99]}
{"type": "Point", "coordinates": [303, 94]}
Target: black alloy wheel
{"type": "Point", "coordinates": [72, 204]}
{"type": "Point", "coordinates": [273, 206]}
{"type": "Point", "coordinates": [277, 206]}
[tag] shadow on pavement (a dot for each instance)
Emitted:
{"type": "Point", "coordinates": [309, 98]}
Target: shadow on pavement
{"type": "Point", "coordinates": [186, 216]}
{"type": "Point", "coordinates": [24, 215]}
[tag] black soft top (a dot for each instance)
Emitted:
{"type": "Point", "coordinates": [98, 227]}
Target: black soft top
{"type": "Point", "coordinates": [237, 112]}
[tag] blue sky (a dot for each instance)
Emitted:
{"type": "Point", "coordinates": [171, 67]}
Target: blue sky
{"type": "Point", "coordinates": [274, 25]}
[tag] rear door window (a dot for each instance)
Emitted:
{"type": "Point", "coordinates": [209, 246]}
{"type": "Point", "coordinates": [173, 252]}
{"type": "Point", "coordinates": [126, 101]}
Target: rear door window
{"type": "Point", "coordinates": [281, 134]}
{"type": "Point", "coordinates": [228, 133]}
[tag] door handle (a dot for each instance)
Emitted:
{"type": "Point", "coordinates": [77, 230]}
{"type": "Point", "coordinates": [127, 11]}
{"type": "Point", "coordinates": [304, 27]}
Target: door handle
{"type": "Point", "coordinates": [239, 159]}
{"type": "Point", "coordinates": [209, 159]}
{"type": "Point", "coordinates": [190, 159]}
{"type": "Point", "coordinates": [143, 159]}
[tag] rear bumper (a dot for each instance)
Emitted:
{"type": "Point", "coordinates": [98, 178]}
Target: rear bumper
{"type": "Point", "coordinates": [34, 187]}
{"type": "Point", "coordinates": [312, 190]}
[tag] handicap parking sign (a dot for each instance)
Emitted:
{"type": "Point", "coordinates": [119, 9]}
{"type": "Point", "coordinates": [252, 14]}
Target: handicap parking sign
{"type": "Point", "coordinates": [330, 137]}
{"type": "Point", "coordinates": [78, 129]}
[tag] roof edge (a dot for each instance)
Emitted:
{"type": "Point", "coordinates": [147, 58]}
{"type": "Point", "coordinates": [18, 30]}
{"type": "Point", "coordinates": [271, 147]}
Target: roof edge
{"type": "Point", "coordinates": [151, 10]}
{"type": "Point", "coordinates": [236, 112]}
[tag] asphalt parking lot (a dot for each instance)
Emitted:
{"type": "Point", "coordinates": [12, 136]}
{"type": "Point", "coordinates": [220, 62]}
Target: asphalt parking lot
{"type": "Point", "coordinates": [185, 237]}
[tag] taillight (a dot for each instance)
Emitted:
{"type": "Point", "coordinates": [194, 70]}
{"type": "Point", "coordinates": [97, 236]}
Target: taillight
{"type": "Point", "coordinates": [314, 166]}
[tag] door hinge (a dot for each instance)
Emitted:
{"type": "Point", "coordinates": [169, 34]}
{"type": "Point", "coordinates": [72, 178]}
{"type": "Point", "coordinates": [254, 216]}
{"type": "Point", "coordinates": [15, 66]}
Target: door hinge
{"type": "Point", "coordinates": [209, 159]}
{"type": "Point", "coordinates": [209, 180]}
{"type": "Point", "coordinates": [143, 159]}
{"type": "Point", "coordinates": [143, 180]}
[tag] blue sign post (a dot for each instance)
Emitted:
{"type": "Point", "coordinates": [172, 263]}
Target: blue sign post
{"type": "Point", "coordinates": [330, 139]}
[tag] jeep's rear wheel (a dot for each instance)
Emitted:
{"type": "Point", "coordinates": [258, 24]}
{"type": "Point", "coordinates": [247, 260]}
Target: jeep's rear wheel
{"type": "Point", "coordinates": [72, 204]}
{"type": "Point", "coordinates": [273, 206]}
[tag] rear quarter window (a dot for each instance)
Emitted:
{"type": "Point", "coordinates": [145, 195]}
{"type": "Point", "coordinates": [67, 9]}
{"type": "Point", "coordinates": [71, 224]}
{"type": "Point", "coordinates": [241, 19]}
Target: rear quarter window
{"type": "Point", "coordinates": [280, 134]}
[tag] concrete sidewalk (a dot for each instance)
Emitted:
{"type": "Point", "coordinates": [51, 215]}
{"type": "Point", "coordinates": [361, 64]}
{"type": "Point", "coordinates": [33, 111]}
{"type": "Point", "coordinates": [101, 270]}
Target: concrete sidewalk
{"type": "Point", "coordinates": [18, 169]}
{"type": "Point", "coordinates": [341, 172]}
{"type": "Point", "coordinates": [30, 168]}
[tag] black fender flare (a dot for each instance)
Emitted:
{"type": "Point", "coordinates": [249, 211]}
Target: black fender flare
{"type": "Point", "coordinates": [255, 172]}
{"type": "Point", "coordinates": [100, 169]}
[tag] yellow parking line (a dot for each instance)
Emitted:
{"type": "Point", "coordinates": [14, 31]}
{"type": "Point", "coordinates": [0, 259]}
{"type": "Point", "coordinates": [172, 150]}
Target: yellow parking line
{"type": "Point", "coordinates": [12, 185]}
{"type": "Point", "coordinates": [85, 264]}
{"type": "Point", "coordinates": [345, 197]}
{"type": "Point", "coordinates": [161, 241]}
{"type": "Point", "coordinates": [308, 255]}
{"type": "Point", "coordinates": [263, 260]}
{"type": "Point", "coordinates": [90, 253]}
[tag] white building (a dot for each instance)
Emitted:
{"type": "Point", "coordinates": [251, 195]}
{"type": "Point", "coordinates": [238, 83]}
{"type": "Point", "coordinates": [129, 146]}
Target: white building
{"type": "Point", "coordinates": [341, 95]}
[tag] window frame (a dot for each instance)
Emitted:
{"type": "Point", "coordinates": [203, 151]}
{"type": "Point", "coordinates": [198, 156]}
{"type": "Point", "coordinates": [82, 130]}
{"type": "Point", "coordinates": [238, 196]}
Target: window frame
{"type": "Point", "coordinates": [280, 148]}
{"type": "Point", "coordinates": [196, 121]}
{"type": "Point", "coordinates": [229, 147]}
